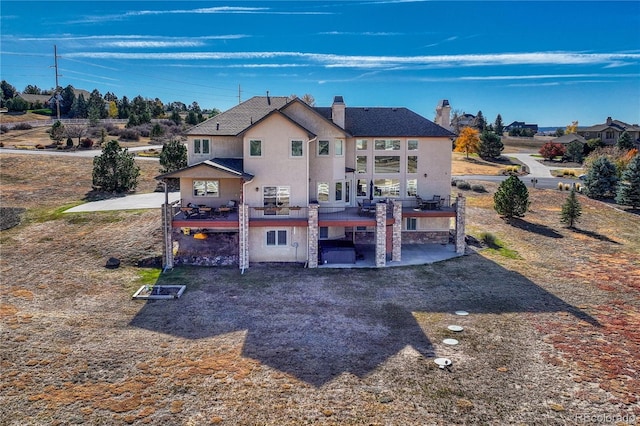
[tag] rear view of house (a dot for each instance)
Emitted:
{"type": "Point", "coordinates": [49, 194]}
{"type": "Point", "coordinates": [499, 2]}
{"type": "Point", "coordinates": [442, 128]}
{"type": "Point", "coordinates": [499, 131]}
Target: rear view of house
{"type": "Point", "coordinates": [276, 180]}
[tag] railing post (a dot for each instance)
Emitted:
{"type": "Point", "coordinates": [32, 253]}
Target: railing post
{"type": "Point", "coordinates": [312, 243]}
{"type": "Point", "coordinates": [167, 217]}
{"type": "Point", "coordinates": [243, 236]}
{"type": "Point", "coordinates": [396, 250]}
{"type": "Point", "coordinates": [460, 224]}
{"type": "Point", "coordinates": [381, 234]}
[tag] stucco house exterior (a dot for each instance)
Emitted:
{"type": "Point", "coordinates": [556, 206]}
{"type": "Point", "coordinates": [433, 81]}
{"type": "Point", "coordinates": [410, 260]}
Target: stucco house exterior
{"type": "Point", "coordinates": [274, 180]}
{"type": "Point", "coordinates": [609, 131]}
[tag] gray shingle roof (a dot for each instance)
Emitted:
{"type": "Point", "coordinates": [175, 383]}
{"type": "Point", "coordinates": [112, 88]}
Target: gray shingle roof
{"type": "Point", "coordinates": [238, 118]}
{"type": "Point", "coordinates": [379, 121]}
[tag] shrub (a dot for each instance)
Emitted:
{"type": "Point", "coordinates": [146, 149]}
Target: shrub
{"type": "Point", "coordinates": [478, 188]}
{"type": "Point", "coordinates": [567, 172]}
{"type": "Point", "coordinates": [560, 186]}
{"type": "Point", "coordinates": [23, 126]}
{"type": "Point", "coordinates": [489, 239]}
{"type": "Point", "coordinates": [1, 144]}
{"type": "Point", "coordinates": [39, 146]}
{"type": "Point", "coordinates": [129, 135]}
{"type": "Point", "coordinates": [512, 198]}
{"type": "Point", "coordinates": [463, 184]}
{"type": "Point", "coordinates": [454, 182]}
{"type": "Point", "coordinates": [42, 111]}
{"type": "Point", "coordinates": [3, 129]}
{"type": "Point", "coordinates": [86, 143]}
{"type": "Point", "coordinates": [69, 143]}
{"type": "Point", "coordinates": [567, 187]}
{"type": "Point", "coordinates": [550, 150]}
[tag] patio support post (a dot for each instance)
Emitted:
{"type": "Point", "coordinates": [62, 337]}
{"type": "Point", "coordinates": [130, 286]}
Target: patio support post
{"type": "Point", "coordinates": [167, 215]}
{"type": "Point", "coordinates": [243, 237]}
{"type": "Point", "coordinates": [460, 224]}
{"type": "Point", "coordinates": [381, 235]}
{"type": "Point", "coordinates": [396, 250]}
{"type": "Point", "coordinates": [312, 259]}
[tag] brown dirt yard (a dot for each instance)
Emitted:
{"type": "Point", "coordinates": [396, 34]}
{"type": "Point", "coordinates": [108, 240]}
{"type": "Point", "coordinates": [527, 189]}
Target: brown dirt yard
{"type": "Point", "coordinates": [552, 336]}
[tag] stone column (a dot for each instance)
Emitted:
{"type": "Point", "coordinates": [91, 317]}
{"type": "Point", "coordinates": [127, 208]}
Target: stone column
{"type": "Point", "coordinates": [381, 234]}
{"type": "Point", "coordinates": [243, 236]}
{"type": "Point", "coordinates": [396, 253]}
{"type": "Point", "coordinates": [460, 224]}
{"type": "Point", "coordinates": [313, 230]}
{"type": "Point", "coordinates": [167, 217]}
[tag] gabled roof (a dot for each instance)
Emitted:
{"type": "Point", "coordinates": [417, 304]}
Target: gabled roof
{"type": "Point", "coordinates": [237, 119]}
{"type": "Point", "coordinates": [233, 166]}
{"type": "Point", "coordinates": [34, 98]}
{"type": "Point", "coordinates": [310, 134]}
{"type": "Point", "coordinates": [610, 124]}
{"type": "Point", "coordinates": [565, 139]}
{"type": "Point", "coordinates": [387, 122]}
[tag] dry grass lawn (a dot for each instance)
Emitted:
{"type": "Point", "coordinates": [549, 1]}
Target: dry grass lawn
{"type": "Point", "coordinates": [552, 336]}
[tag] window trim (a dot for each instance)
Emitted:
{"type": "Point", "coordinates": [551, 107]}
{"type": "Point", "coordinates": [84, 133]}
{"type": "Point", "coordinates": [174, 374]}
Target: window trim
{"type": "Point", "coordinates": [301, 148]}
{"type": "Point", "coordinates": [328, 148]}
{"type": "Point", "coordinates": [340, 152]}
{"type": "Point", "coordinates": [276, 235]}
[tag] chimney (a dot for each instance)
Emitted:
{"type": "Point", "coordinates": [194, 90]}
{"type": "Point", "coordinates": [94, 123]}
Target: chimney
{"type": "Point", "coordinates": [338, 111]}
{"type": "Point", "coordinates": [443, 114]}
{"type": "Point", "coordinates": [609, 121]}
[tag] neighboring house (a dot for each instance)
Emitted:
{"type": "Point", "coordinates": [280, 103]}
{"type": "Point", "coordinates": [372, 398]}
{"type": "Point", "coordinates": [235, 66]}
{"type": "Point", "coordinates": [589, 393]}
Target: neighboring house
{"type": "Point", "coordinates": [521, 125]}
{"type": "Point", "coordinates": [297, 176]}
{"type": "Point", "coordinates": [610, 131]}
{"type": "Point", "coordinates": [460, 121]}
{"type": "Point", "coordinates": [51, 101]}
{"type": "Point", "coordinates": [35, 101]}
{"type": "Point", "coordinates": [567, 139]}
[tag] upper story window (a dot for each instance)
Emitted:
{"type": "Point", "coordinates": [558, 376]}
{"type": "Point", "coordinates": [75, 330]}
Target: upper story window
{"type": "Point", "coordinates": [206, 188]}
{"type": "Point", "coordinates": [296, 148]}
{"type": "Point", "coordinates": [387, 145]}
{"type": "Point", "coordinates": [361, 164]}
{"type": "Point", "coordinates": [412, 164]}
{"type": "Point", "coordinates": [201, 146]}
{"type": "Point", "coordinates": [276, 199]}
{"type": "Point", "coordinates": [323, 148]}
{"type": "Point", "coordinates": [323, 192]}
{"type": "Point", "coordinates": [361, 144]}
{"type": "Point", "coordinates": [255, 148]}
{"type": "Point", "coordinates": [387, 164]}
{"type": "Point", "coordinates": [338, 148]}
{"type": "Point", "coordinates": [412, 145]}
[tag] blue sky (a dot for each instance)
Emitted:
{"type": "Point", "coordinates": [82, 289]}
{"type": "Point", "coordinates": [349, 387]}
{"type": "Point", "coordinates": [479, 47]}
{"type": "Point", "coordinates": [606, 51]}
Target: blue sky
{"type": "Point", "coordinates": [546, 62]}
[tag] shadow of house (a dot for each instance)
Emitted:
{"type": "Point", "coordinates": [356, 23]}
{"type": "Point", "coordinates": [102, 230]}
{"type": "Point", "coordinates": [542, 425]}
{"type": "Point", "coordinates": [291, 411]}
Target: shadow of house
{"type": "Point", "coordinates": [318, 324]}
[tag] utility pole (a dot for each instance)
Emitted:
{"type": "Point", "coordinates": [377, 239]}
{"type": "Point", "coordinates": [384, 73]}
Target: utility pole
{"type": "Point", "coordinates": [55, 58]}
{"type": "Point", "coordinates": [239, 97]}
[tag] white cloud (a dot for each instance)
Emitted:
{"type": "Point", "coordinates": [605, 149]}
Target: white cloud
{"type": "Point", "coordinates": [152, 44]}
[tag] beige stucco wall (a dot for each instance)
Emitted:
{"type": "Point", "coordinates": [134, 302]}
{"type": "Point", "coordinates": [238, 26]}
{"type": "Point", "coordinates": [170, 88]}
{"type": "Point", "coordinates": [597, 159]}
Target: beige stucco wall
{"type": "Point", "coordinates": [276, 167]}
{"type": "Point", "coordinates": [230, 189]}
{"type": "Point", "coordinates": [261, 253]}
{"type": "Point", "coordinates": [220, 147]}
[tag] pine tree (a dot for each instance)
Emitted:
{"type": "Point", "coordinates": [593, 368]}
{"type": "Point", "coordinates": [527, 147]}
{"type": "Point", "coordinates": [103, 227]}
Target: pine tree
{"type": "Point", "coordinates": [624, 141]}
{"type": "Point", "coordinates": [512, 198]}
{"type": "Point", "coordinates": [173, 156]}
{"type": "Point", "coordinates": [498, 126]}
{"type": "Point", "coordinates": [115, 170]}
{"type": "Point", "coordinates": [491, 145]}
{"type": "Point", "coordinates": [629, 189]}
{"type": "Point", "coordinates": [571, 209]}
{"type": "Point", "coordinates": [601, 179]}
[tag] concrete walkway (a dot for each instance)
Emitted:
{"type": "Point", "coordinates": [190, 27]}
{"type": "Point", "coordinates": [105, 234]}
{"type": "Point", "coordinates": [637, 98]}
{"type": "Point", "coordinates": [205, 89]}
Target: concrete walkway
{"type": "Point", "coordinates": [536, 169]}
{"type": "Point", "coordinates": [152, 200]}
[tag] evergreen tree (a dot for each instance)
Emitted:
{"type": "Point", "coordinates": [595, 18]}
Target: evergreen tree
{"type": "Point", "coordinates": [57, 132]}
{"type": "Point", "coordinates": [625, 142]}
{"type": "Point", "coordinates": [115, 170]}
{"type": "Point", "coordinates": [480, 122]}
{"type": "Point", "coordinates": [498, 126]}
{"type": "Point", "coordinates": [491, 145]}
{"type": "Point", "coordinates": [68, 98]}
{"type": "Point", "coordinates": [512, 198]}
{"type": "Point", "coordinates": [575, 151]}
{"type": "Point", "coordinates": [124, 108]}
{"type": "Point", "coordinates": [173, 156]}
{"type": "Point", "coordinates": [79, 108]}
{"type": "Point", "coordinates": [601, 179]}
{"type": "Point", "coordinates": [96, 106]}
{"type": "Point", "coordinates": [191, 118]}
{"type": "Point", "coordinates": [571, 209]}
{"type": "Point", "coordinates": [629, 189]}
{"type": "Point", "coordinates": [175, 117]}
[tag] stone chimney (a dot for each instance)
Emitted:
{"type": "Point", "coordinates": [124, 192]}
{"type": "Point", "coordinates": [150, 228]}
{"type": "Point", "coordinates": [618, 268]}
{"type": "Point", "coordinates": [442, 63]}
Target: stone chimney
{"type": "Point", "coordinates": [609, 121]}
{"type": "Point", "coordinates": [443, 114]}
{"type": "Point", "coordinates": [338, 111]}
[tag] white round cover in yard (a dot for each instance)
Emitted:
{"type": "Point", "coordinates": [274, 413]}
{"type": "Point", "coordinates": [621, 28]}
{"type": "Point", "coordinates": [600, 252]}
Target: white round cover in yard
{"type": "Point", "coordinates": [462, 313]}
{"type": "Point", "coordinates": [455, 328]}
{"type": "Point", "coordinates": [442, 362]}
{"type": "Point", "coordinates": [450, 341]}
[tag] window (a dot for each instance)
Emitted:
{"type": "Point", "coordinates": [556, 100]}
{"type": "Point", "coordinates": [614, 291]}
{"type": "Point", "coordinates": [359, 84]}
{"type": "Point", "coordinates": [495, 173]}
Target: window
{"type": "Point", "coordinates": [323, 192]}
{"type": "Point", "coordinates": [277, 238]}
{"type": "Point", "coordinates": [361, 189]}
{"type": "Point", "coordinates": [387, 145]}
{"type": "Point", "coordinates": [347, 192]}
{"type": "Point", "coordinates": [323, 147]}
{"type": "Point", "coordinates": [412, 164]}
{"type": "Point", "coordinates": [610, 135]}
{"type": "Point", "coordinates": [201, 146]}
{"type": "Point", "coordinates": [324, 232]}
{"type": "Point", "coordinates": [338, 191]}
{"type": "Point", "coordinates": [412, 187]}
{"type": "Point", "coordinates": [387, 164]}
{"type": "Point", "coordinates": [386, 187]}
{"type": "Point", "coordinates": [296, 148]}
{"type": "Point", "coordinates": [361, 144]}
{"type": "Point", "coordinates": [337, 148]}
{"type": "Point", "coordinates": [361, 164]}
{"type": "Point", "coordinates": [206, 188]}
{"type": "Point", "coordinates": [275, 200]}
{"type": "Point", "coordinates": [412, 224]}
{"type": "Point", "coordinates": [255, 148]}
{"type": "Point", "coordinates": [412, 145]}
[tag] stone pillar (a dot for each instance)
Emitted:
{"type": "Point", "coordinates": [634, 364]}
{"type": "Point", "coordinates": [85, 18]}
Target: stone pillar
{"type": "Point", "coordinates": [396, 254]}
{"type": "Point", "coordinates": [313, 233]}
{"type": "Point", "coordinates": [243, 236]}
{"type": "Point", "coordinates": [167, 217]}
{"type": "Point", "coordinates": [381, 234]}
{"type": "Point", "coordinates": [460, 224]}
